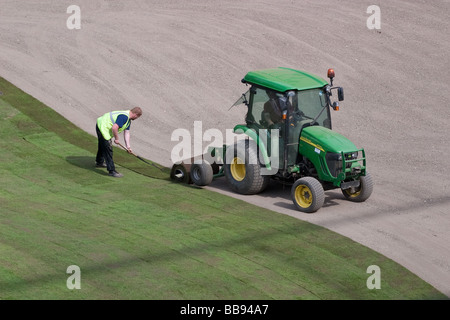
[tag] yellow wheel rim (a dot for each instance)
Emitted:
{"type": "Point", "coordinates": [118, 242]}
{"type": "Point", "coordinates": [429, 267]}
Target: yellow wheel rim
{"type": "Point", "coordinates": [355, 193]}
{"type": "Point", "coordinates": [303, 196]}
{"type": "Point", "coordinates": [237, 168]}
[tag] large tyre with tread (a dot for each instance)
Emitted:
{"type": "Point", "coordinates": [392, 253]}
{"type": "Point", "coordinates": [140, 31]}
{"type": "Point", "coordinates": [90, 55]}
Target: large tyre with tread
{"type": "Point", "coordinates": [307, 194]}
{"type": "Point", "coordinates": [361, 193]}
{"type": "Point", "coordinates": [243, 170]}
{"type": "Point", "coordinates": [201, 173]}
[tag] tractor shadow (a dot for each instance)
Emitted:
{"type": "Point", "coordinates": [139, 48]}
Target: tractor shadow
{"type": "Point", "coordinates": [87, 163]}
{"type": "Point", "coordinates": [277, 190]}
{"type": "Point", "coordinates": [280, 194]}
{"type": "Point", "coordinates": [330, 201]}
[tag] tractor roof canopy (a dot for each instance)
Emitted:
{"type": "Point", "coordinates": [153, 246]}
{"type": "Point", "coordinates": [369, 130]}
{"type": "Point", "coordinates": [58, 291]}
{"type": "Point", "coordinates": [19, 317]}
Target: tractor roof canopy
{"type": "Point", "coordinates": [284, 79]}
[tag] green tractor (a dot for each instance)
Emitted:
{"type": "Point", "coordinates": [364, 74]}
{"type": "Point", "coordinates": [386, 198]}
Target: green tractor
{"type": "Point", "coordinates": [289, 139]}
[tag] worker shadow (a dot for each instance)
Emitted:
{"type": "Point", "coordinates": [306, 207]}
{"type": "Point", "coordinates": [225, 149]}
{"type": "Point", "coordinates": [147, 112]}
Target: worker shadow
{"type": "Point", "coordinates": [87, 163]}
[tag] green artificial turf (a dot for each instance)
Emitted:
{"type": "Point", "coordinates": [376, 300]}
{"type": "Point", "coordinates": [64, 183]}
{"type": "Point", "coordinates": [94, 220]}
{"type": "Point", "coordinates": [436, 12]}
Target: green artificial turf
{"type": "Point", "coordinates": [146, 237]}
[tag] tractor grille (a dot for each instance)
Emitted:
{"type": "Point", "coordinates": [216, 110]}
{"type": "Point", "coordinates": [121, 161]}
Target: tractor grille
{"type": "Point", "coordinates": [334, 161]}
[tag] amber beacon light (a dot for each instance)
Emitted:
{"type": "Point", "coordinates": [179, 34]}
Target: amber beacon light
{"type": "Point", "coordinates": [331, 73]}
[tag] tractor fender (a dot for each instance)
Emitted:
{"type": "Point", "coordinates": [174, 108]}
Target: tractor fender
{"type": "Point", "coordinates": [243, 129]}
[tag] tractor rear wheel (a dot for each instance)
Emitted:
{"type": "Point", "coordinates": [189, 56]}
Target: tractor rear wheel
{"type": "Point", "coordinates": [307, 194]}
{"type": "Point", "coordinates": [243, 170]}
{"type": "Point", "coordinates": [361, 193]}
{"type": "Point", "coordinates": [201, 173]}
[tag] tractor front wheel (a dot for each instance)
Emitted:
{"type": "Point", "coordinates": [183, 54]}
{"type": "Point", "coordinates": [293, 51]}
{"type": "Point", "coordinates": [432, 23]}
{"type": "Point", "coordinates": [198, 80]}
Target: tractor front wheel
{"type": "Point", "coordinates": [361, 193]}
{"type": "Point", "coordinates": [307, 194]}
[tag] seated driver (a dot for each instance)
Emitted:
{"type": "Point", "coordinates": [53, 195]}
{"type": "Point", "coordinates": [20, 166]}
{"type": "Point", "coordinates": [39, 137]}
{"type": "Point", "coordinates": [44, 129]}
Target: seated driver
{"type": "Point", "coordinates": [272, 111]}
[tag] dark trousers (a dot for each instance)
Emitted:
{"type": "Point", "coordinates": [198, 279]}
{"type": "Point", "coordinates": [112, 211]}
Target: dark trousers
{"type": "Point", "coordinates": [105, 151]}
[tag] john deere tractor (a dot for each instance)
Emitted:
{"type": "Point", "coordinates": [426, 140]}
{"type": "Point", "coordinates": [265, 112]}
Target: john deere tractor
{"type": "Point", "coordinates": [290, 139]}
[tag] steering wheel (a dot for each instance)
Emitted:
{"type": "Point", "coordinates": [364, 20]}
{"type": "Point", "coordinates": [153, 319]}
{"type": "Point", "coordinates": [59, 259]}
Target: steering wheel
{"type": "Point", "coordinates": [298, 115]}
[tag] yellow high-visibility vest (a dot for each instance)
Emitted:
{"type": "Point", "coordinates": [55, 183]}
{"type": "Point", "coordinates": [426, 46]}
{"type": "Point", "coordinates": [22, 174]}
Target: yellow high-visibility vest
{"type": "Point", "coordinates": [106, 122]}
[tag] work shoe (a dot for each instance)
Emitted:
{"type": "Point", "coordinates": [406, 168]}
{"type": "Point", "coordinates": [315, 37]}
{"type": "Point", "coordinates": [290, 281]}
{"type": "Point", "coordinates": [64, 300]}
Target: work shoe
{"type": "Point", "coordinates": [115, 174]}
{"type": "Point", "coordinates": [100, 165]}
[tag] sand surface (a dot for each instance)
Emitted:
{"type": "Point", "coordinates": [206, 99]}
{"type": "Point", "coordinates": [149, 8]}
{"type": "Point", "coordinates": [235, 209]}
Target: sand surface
{"type": "Point", "coordinates": [182, 61]}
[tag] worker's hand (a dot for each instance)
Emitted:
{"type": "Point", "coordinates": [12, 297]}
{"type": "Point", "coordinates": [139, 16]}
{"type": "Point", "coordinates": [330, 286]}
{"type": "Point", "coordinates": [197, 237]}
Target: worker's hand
{"type": "Point", "coordinates": [130, 151]}
{"type": "Point", "coordinates": [116, 141]}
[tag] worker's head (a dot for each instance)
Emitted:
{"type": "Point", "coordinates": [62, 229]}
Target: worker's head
{"type": "Point", "coordinates": [135, 113]}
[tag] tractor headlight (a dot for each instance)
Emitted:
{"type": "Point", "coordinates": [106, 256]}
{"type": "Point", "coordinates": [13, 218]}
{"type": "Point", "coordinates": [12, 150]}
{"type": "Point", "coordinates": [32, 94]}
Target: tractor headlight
{"type": "Point", "coordinates": [351, 155]}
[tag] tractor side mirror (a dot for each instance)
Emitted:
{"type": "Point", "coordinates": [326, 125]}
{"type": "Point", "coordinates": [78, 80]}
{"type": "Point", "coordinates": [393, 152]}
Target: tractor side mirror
{"type": "Point", "coordinates": [341, 94]}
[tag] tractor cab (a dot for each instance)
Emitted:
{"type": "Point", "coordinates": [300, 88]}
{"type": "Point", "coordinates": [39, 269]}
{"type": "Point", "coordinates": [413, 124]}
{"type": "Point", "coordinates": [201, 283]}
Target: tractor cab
{"type": "Point", "coordinates": [287, 100]}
